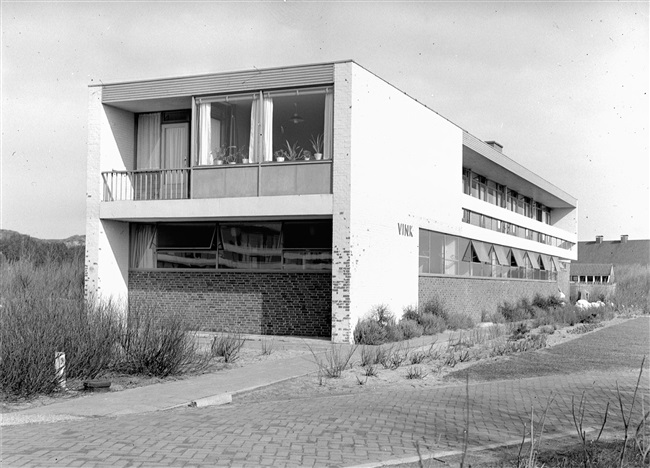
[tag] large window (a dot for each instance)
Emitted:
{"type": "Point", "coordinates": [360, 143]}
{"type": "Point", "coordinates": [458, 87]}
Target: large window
{"type": "Point", "coordinates": [488, 190]}
{"type": "Point", "coordinates": [493, 224]}
{"type": "Point", "coordinates": [289, 245]}
{"type": "Point", "coordinates": [453, 255]}
{"type": "Point", "coordinates": [265, 126]}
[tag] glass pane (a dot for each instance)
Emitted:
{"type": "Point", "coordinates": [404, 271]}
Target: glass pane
{"type": "Point", "coordinates": [301, 235]}
{"type": "Point", "coordinates": [297, 119]}
{"type": "Point", "coordinates": [463, 244]}
{"type": "Point", "coordinates": [178, 259]}
{"type": "Point", "coordinates": [435, 265]}
{"type": "Point", "coordinates": [186, 236]}
{"type": "Point", "coordinates": [423, 266]}
{"type": "Point", "coordinates": [436, 252]}
{"type": "Point", "coordinates": [451, 267]}
{"type": "Point", "coordinates": [307, 259]}
{"type": "Point", "coordinates": [229, 127]}
{"type": "Point", "coordinates": [451, 247]}
{"type": "Point", "coordinates": [464, 268]}
{"type": "Point", "coordinates": [424, 243]}
{"type": "Point", "coordinates": [250, 246]}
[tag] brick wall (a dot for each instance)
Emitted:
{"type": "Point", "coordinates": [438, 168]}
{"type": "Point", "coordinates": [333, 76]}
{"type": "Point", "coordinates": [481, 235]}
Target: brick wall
{"type": "Point", "coordinates": [474, 295]}
{"type": "Point", "coordinates": [279, 303]}
{"type": "Point", "coordinates": [592, 292]}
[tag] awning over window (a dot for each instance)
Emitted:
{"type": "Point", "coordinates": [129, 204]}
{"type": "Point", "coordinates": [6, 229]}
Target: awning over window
{"type": "Point", "coordinates": [533, 259]}
{"type": "Point", "coordinates": [519, 257]}
{"type": "Point", "coordinates": [502, 254]}
{"type": "Point", "coordinates": [481, 251]}
{"type": "Point", "coordinates": [546, 262]}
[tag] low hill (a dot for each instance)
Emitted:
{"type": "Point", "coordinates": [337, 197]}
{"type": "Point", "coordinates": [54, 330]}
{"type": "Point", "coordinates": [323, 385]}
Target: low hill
{"type": "Point", "coordinates": [15, 246]}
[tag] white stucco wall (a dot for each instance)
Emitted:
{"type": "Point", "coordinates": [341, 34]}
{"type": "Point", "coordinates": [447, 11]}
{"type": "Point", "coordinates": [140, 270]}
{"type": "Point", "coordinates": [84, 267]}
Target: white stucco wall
{"type": "Point", "coordinates": [110, 147]}
{"type": "Point", "coordinates": [405, 168]}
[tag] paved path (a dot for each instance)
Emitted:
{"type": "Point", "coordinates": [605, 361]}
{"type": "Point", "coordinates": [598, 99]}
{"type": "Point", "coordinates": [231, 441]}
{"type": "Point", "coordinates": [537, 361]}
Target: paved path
{"type": "Point", "coordinates": [329, 431]}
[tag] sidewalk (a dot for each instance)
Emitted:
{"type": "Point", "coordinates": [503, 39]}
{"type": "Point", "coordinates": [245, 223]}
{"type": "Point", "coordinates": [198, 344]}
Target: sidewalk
{"type": "Point", "coordinates": [205, 390]}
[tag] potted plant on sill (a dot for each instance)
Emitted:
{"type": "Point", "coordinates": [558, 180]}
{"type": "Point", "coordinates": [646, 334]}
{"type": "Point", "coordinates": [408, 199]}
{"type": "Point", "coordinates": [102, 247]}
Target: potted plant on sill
{"type": "Point", "coordinates": [317, 145]}
{"type": "Point", "coordinates": [280, 155]}
{"type": "Point", "coordinates": [306, 155]}
{"type": "Point", "coordinates": [218, 156]}
{"type": "Point", "coordinates": [242, 155]}
{"type": "Point", "coordinates": [293, 152]}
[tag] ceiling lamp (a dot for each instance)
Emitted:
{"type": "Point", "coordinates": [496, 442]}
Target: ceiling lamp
{"type": "Point", "coordinates": [295, 118]}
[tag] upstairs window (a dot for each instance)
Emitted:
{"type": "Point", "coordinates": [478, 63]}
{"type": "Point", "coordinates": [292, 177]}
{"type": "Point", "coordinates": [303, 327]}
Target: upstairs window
{"type": "Point", "coordinates": [266, 126]}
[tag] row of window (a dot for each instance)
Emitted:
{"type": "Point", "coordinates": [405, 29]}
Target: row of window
{"type": "Point", "coordinates": [487, 190]}
{"type": "Point", "coordinates": [590, 279]}
{"type": "Point", "coordinates": [493, 224]}
{"type": "Point", "coordinates": [453, 255]}
{"type": "Point", "coordinates": [278, 245]}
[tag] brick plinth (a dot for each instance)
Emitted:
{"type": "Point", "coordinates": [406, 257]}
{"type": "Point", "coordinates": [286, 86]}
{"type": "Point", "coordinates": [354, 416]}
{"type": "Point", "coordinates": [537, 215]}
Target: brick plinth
{"type": "Point", "coordinates": [472, 296]}
{"type": "Point", "coordinates": [273, 303]}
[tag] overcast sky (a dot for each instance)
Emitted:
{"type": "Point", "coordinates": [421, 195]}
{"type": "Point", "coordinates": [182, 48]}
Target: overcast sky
{"type": "Point", "coordinates": [563, 86]}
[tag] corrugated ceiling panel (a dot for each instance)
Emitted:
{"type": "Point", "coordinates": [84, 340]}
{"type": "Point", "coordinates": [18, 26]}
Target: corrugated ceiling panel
{"type": "Point", "coordinates": [219, 83]}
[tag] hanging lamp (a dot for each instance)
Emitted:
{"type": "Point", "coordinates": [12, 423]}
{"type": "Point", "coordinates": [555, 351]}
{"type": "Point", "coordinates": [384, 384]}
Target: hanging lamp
{"type": "Point", "coordinates": [295, 118]}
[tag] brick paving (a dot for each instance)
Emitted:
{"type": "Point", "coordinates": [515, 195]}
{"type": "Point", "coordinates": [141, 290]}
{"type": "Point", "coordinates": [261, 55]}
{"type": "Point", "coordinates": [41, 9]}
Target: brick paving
{"type": "Point", "coordinates": [324, 431]}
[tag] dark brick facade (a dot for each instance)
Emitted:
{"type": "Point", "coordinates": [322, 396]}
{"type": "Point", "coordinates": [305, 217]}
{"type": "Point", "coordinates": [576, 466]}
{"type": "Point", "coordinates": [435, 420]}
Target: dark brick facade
{"type": "Point", "coordinates": [472, 296]}
{"type": "Point", "coordinates": [272, 303]}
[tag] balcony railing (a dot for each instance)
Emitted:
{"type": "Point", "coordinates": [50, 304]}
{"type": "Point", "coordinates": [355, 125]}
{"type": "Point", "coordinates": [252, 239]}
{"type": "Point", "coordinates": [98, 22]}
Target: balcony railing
{"type": "Point", "coordinates": [154, 184]}
{"type": "Point", "coordinates": [225, 181]}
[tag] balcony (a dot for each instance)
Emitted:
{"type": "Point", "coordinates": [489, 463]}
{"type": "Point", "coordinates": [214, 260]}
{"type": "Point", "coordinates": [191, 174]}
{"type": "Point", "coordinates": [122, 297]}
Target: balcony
{"type": "Point", "coordinates": [220, 181]}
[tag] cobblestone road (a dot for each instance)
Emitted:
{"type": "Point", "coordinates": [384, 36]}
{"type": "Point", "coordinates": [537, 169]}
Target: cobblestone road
{"type": "Point", "coordinates": [327, 431]}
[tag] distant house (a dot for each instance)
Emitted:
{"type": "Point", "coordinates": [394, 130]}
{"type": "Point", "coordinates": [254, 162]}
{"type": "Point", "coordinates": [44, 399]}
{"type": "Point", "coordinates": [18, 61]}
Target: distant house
{"type": "Point", "coordinates": [616, 252]}
{"type": "Point", "coordinates": [593, 275]}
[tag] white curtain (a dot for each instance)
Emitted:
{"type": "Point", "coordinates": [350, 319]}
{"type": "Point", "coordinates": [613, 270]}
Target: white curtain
{"type": "Point", "coordinates": [267, 121]}
{"type": "Point", "coordinates": [175, 146]}
{"type": "Point", "coordinates": [205, 134]}
{"type": "Point", "coordinates": [328, 136]}
{"type": "Point", "coordinates": [148, 141]}
{"type": "Point", "coordinates": [255, 139]}
{"type": "Point", "coordinates": [141, 246]}
{"type": "Point", "coordinates": [261, 135]}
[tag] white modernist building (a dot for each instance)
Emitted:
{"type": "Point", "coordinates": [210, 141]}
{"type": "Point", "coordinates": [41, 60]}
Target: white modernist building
{"type": "Point", "coordinates": [293, 200]}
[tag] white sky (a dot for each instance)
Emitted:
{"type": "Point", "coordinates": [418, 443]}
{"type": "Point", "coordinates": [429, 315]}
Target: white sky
{"type": "Point", "coordinates": [563, 86]}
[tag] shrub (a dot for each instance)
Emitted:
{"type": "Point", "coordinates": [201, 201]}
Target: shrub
{"type": "Point", "coordinates": [633, 287]}
{"type": "Point", "coordinates": [394, 332]}
{"type": "Point", "coordinates": [369, 332]}
{"type": "Point", "coordinates": [411, 313]}
{"type": "Point", "coordinates": [382, 315]}
{"type": "Point", "coordinates": [410, 329]}
{"type": "Point", "coordinates": [540, 302]}
{"type": "Point", "coordinates": [459, 321]}
{"type": "Point", "coordinates": [228, 345]}
{"type": "Point", "coordinates": [415, 372]}
{"type": "Point", "coordinates": [435, 307]}
{"type": "Point", "coordinates": [43, 312]}
{"type": "Point", "coordinates": [432, 324]}
{"type": "Point", "coordinates": [333, 362]}
{"type": "Point", "coordinates": [158, 345]}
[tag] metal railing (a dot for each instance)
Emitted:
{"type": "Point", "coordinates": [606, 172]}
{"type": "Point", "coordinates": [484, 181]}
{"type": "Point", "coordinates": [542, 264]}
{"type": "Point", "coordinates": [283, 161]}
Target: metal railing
{"type": "Point", "coordinates": [154, 184]}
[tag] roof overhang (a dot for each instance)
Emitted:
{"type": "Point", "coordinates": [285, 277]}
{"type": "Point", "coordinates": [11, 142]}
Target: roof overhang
{"type": "Point", "coordinates": [487, 161]}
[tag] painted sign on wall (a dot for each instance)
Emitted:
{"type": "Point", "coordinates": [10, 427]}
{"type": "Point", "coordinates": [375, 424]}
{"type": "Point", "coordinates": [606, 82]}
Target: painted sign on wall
{"type": "Point", "coordinates": [405, 229]}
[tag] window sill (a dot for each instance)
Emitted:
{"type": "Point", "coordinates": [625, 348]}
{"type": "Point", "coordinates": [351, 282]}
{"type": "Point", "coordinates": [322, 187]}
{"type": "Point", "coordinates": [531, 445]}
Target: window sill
{"type": "Point", "coordinates": [492, 278]}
